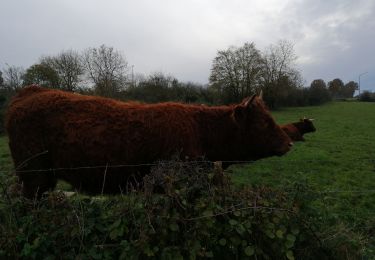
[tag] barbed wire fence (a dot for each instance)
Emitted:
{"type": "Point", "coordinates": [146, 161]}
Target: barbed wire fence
{"type": "Point", "coordinates": [294, 191]}
{"type": "Point", "coordinates": [192, 162]}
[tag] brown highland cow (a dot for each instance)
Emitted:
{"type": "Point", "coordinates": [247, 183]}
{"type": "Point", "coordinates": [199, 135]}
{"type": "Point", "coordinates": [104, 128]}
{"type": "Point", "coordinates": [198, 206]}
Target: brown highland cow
{"type": "Point", "coordinates": [82, 139]}
{"type": "Point", "coordinates": [296, 130]}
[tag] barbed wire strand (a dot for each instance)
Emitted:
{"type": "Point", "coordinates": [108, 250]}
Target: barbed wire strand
{"type": "Point", "coordinates": [167, 162]}
{"type": "Point", "coordinates": [161, 163]}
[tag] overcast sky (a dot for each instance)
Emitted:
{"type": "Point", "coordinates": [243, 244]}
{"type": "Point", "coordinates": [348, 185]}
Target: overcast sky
{"type": "Point", "coordinates": [333, 38]}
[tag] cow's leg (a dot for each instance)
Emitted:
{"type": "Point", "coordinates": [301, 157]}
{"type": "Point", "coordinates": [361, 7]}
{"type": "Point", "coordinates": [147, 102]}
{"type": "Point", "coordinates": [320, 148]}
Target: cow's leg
{"type": "Point", "coordinates": [33, 169]}
{"type": "Point", "coordinates": [35, 184]}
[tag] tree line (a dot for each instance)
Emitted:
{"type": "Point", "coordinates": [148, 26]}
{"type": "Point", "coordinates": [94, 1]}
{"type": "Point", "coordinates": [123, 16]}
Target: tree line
{"type": "Point", "coordinates": [367, 96]}
{"type": "Point", "coordinates": [236, 73]}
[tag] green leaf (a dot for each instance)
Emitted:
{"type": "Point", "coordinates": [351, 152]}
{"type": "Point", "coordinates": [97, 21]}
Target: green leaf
{"type": "Point", "coordinates": [223, 241]}
{"type": "Point", "coordinates": [270, 225]}
{"type": "Point", "coordinates": [270, 234]}
{"type": "Point", "coordinates": [289, 244]}
{"type": "Point", "coordinates": [279, 233]}
{"type": "Point", "coordinates": [209, 254]}
{"type": "Point", "coordinates": [148, 252]}
{"type": "Point", "coordinates": [94, 254]}
{"type": "Point", "coordinates": [26, 250]}
{"type": "Point", "coordinates": [279, 214]}
{"type": "Point", "coordinates": [290, 255]}
{"type": "Point", "coordinates": [291, 238]}
{"type": "Point", "coordinates": [232, 222]}
{"type": "Point", "coordinates": [36, 242]}
{"type": "Point", "coordinates": [116, 224]}
{"type": "Point", "coordinates": [240, 229]}
{"type": "Point", "coordinates": [235, 241]}
{"type": "Point", "coordinates": [178, 256]}
{"type": "Point", "coordinates": [249, 250]}
{"type": "Point", "coordinates": [248, 225]}
{"type": "Point", "coordinates": [207, 213]}
{"type": "Point", "coordinates": [283, 228]}
{"type": "Point", "coordinates": [174, 227]}
{"type": "Point", "coordinates": [115, 233]}
{"type": "Point", "coordinates": [295, 230]}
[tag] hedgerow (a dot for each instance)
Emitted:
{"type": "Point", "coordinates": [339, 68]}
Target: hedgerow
{"type": "Point", "coordinates": [183, 211]}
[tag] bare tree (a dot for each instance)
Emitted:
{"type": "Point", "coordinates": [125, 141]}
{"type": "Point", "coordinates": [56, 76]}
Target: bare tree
{"type": "Point", "coordinates": [278, 61]}
{"type": "Point", "coordinates": [68, 67]}
{"type": "Point", "coordinates": [106, 68]}
{"type": "Point", "coordinates": [236, 72]}
{"type": "Point", "coordinates": [13, 77]}
{"type": "Point", "coordinates": [279, 75]}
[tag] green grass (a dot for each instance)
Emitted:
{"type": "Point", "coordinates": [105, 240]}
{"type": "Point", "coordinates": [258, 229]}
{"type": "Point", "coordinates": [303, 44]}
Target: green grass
{"type": "Point", "coordinates": [339, 155]}
{"type": "Point", "coordinates": [337, 163]}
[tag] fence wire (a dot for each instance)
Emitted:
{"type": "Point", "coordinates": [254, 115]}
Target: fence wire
{"type": "Point", "coordinates": [197, 162]}
{"type": "Point", "coordinates": [106, 166]}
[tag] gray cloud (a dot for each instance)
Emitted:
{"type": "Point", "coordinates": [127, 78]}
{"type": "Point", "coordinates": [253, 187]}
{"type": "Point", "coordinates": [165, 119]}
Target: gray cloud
{"type": "Point", "coordinates": [332, 38]}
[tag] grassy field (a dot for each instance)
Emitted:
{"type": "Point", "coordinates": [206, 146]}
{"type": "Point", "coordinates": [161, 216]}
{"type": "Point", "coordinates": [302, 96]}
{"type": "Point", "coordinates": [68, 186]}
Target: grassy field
{"type": "Point", "coordinates": [335, 165]}
{"type": "Point", "coordinates": [340, 155]}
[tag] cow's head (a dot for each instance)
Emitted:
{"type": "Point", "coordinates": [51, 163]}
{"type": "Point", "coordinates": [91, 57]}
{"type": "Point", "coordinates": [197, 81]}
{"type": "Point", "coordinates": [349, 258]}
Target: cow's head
{"type": "Point", "coordinates": [260, 134]}
{"type": "Point", "coordinates": [308, 124]}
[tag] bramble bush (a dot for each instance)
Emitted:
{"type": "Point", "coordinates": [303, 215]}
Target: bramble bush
{"type": "Point", "coordinates": [185, 210]}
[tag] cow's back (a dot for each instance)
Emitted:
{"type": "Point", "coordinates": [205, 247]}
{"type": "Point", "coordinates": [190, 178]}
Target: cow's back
{"type": "Point", "coordinates": [84, 130]}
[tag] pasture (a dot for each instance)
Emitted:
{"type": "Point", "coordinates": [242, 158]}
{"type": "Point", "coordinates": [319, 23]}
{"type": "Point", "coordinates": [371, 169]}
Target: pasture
{"type": "Point", "coordinates": [336, 165]}
{"type": "Point", "coordinates": [334, 169]}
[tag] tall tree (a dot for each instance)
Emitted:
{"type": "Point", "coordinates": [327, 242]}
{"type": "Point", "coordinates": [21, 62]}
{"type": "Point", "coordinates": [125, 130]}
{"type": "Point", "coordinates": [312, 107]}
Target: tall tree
{"type": "Point", "coordinates": [318, 92]}
{"type": "Point", "coordinates": [278, 62]}
{"type": "Point", "coordinates": [335, 88]}
{"type": "Point", "coordinates": [106, 68]}
{"type": "Point", "coordinates": [41, 74]}
{"type": "Point", "coordinates": [68, 67]}
{"type": "Point", "coordinates": [349, 89]}
{"type": "Point", "coordinates": [279, 75]}
{"type": "Point", "coordinates": [157, 87]}
{"type": "Point", "coordinates": [13, 78]}
{"type": "Point", "coordinates": [318, 84]}
{"type": "Point", "coordinates": [236, 72]}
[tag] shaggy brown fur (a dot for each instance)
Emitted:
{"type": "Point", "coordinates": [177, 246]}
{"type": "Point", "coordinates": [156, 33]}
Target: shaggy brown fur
{"type": "Point", "coordinates": [52, 129]}
{"type": "Point", "coordinates": [296, 130]}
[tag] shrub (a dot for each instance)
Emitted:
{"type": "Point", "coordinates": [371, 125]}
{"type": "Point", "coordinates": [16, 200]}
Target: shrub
{"type": "Point", "coordinates": [367, 96]}
{"type": "Point", "coordinates": [185, 210]}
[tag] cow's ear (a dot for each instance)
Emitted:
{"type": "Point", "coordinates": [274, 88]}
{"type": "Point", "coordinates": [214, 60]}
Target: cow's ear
{"type": "Point", "coordinates": [245, 101]}
{"type": "Point", "coordinates": [261, 94]}
{"type": "Point", "coordinates": [250, 101]}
